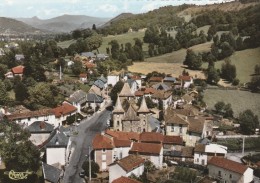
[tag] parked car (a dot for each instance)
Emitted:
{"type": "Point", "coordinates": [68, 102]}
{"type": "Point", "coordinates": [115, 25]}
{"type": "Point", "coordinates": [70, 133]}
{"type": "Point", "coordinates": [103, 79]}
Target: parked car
{"type": "Point", "coordinates": [82, 174]}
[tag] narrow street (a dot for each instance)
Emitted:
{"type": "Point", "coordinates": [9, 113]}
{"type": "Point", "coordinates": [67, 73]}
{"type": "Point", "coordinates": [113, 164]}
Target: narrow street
{"type": "Point", "coordinates": [87, 129]}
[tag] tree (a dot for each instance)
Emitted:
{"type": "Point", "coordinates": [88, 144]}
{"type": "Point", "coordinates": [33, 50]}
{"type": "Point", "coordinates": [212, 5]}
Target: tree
{"type": "Point", "coordinates": [17, 151]}
{"type": "Point", "coordinates": [21, 92]}
{"type": "Point", "coordinates": [3, 94]}
{"type": "Point", "coordinates": [94, 27]}
{"type": "Point", "coordinates": [248, 122]}
{"type": "Point", "coordinates": [115, 90]}
{"type": "Point", "coordinates": [254, 84]}
{"type": "Point", "coordinates": [212, 75]}
{"type": "Point", "coordinates": [192, 60]}
{"type": "Point", "coordinates": [94, 168]}
{"type": "Point", "coordinates": [114, 49]}
{"type": "Point", "coordinates": [219, 106]}
{"type": "Point", "coordinates": [77, 68]}
{"type": "Point", "coordinates": [228, 71]}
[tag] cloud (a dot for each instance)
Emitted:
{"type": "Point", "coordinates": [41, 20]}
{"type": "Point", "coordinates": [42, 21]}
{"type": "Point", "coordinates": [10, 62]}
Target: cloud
{"type": "Point", "coordinates": [9, 2]}
{"type": "Point", "coordinates": [29, 8]}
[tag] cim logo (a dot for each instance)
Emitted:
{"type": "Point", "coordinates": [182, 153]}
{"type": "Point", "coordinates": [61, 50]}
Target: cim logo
{"type": "Point", "coordinates": [18, 175]}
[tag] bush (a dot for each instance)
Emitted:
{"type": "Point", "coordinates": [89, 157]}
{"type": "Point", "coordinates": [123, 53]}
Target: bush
{"type": "Point", "coordinates": [235, 82]}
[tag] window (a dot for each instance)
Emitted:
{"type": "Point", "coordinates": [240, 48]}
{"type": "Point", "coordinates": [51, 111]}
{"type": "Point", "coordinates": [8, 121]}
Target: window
{"type": "Point", "coordinates": [180, 128]}
{"type": "Point", "coordinates": [198, 160]}
{"type": "Point", "coordinates": [104, 157]}
{"type": "Point", "coordinates": [219, 173]}
{"type": "Point", "coordinates": [117, 123]}
{"type": "Point", "coordinates": [172, 128]}
{"type": "Point", "coordinates": [230, 176]}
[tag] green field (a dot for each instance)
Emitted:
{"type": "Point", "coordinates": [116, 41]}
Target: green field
{"type": "Point", "coordinates": [245, 62]}
{"type": "Point", "coordinates": [66, 44]}
{"type": "Point", "coordinates": [240, 100]}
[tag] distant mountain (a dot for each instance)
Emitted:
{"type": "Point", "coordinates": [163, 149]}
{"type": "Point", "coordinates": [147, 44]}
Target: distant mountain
{"type": "Point", "coordinates": [64, 23]}
{"type": "Point", "coordinates": [12, 26]}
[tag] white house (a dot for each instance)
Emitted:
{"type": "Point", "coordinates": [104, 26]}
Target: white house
{"type": "Point", "coordinates": [229, 171]}
{"type": "Point", "coordinates": [27, 118]}
{"type": "Point", "coordinates": [78, 99]}
{"type": "Point", "coordinates": [203, 153]}
{"type": "Point", "coordinates": [56, 148]}
{"type": "Point", "coordinates": [186, 81]}
{"type": "Point", "coordinates": [112, 78]}
{"type": "Point", "coordinates": [164, 96]}
{"type": "Point", "coordinates": [127, 166]}
{"type": "Point", "coordinates": [149, 151]}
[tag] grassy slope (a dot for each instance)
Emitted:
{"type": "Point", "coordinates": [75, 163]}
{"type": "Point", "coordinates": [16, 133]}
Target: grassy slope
{"type": "Point", "coordinates": [240, 100]}
{"type": "Point", "coordinates": [245, 62]}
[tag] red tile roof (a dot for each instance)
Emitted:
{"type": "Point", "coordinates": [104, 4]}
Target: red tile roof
{"type": "Point", "coordinates": [146, 148]}
{"type": "Point", "coordinates": [18, 69]}
{"type": "Point", "coordinates": [139, 93]}
{"type": "Point", "coordinates": [185, 78]}
{"type": "Point", "coordinates": [125, 180]}
{"type": "Point", "coordinates": [228, 165]}
{"type": "Point", "coordinates": [64, 109]}
{"type": "Point", "coordinates": [83, 75]}
{"type": "Point", "coordinates": [130, 162]}
{"type": "Point", "coordinates": [176, 140]}
{"type": "Point", "coordinates": [123, 135]}
{"type": "Point", "coordinates": [90, 65]}
{"type": "Point", "coordinates": [149, 90]}
{"type": "Point", "coordinates": [200, 148]}
{"type": "Point", "coordinates": [151, 137]}
{"type": "Point", "coordinates": [42, 112]}
{"type": "Point", "coordinates": [156, 79]}
{"type": "Point", "coordinates": [122, 143]}
{"type": "Point", "coordinates": [135, 77]}
{"type": "Point", "coordinates": [102, 142]}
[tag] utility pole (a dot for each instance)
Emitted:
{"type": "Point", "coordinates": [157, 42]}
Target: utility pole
{"type": "Point", "coordinates": [243, 147]}
{"type": "Point", "coordinates": [89, 164]}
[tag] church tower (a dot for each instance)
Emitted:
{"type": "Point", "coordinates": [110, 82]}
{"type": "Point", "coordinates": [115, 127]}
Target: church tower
{"type": "Point", "coordinates": [143, 112]}
{"type": "Point", "coordinates": [118, 114]}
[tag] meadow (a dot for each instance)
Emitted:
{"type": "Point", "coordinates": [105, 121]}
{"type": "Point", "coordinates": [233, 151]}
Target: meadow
{"type": "Point", "coordinates": [240, 100]}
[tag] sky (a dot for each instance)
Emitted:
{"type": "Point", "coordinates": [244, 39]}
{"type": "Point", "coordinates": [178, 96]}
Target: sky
{"type": "Point", "coordinates": [45, 9]}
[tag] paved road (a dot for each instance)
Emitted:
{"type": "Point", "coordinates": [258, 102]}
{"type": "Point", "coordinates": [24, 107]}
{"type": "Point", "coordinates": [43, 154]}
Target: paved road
{"type": "Point", "coordinates": [87, 129]}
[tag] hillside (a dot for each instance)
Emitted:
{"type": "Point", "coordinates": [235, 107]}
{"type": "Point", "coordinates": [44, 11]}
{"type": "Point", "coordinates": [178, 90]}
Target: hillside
{"type": "Point", "coordinates": [117, 18]}
{"type": "Point", "coordinates": [12, 26]}
{"type": "Point", "coordinates": [64, 23]}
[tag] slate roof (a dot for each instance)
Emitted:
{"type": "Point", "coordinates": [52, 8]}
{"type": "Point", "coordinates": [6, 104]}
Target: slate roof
{"type": "Point", "coordinates": [125, 180]}
{"type": "Point", "coordinates": [103, 79]}
{"type": "Point", "coordinates": [78, 97]}
{"type": "Point", "coordinates": [88, 54]}
{"type": "Point", "coordinates": [40, 127]}
{"type": "Point", "coordinates": [126, 91]}
{"type": "Point", "coordinates": [153, 122]}
{"type": "Point", "coordinates": [169, 79]}
{"type": "Point", "coordinates": [50, 173]}
{"type": "Point", "coordinates": [130, 162]}
{"type": "Point", "coordinates": [228, 165]}
{"type": "Point", "coordinates": [64, 109]}
{"type": "Point", "coordinates": [118, 107]}
{"type": "Point", "coordinates": [143, 107]}
{"type": "Point", "coordinates": [130, 82]}
{"type": "Point", "coordinates": [146, 148]}
{"type": "Point", "coordinates": [58, 140]}
{"type": "Point", "coordinates": [99, 83]}
{"type": "Point", "coordinates": [161, 86]}
{"type": "Point", "coordinates": [175, 119]}
{"type": "Point", "coordinates": [92, 97]}
{"type": "Point", "coordinates": [131, 115]}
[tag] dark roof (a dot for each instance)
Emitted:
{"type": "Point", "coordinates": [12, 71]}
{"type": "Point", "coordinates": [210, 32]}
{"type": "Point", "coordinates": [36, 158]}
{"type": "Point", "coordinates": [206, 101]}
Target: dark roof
{"type": "Point", "coordinates": [228, 165]}
{"type": "Point", "coordinates": [103, 79]}
{"type": "Point", "coordinates": [131, 115]}
{"type": "Point", "coordinates": [130, 82]}
{"type": "Point", "coordinates": [58, 140]}
{"type": "Point", "coordinates": [199, 148]}
{"type": "Point", "coordinates": [78, 97]}
{"type": "Point", "coordinates": [99, 84]}
{"type": "Point", "coordinates": [154, 123]}
{"type": "Point", "coordinates": [51, 173]}
{"type": "Point", "coordinates": [187, 151]}
{"type": "Point", "coordinates": [169, 79]}
{"type": "Point", "coordinates": [92, 97]}
{"type": "Point", "coordinates": [40, 127]}
{"type": "Point", "coordinates": [161, 86]}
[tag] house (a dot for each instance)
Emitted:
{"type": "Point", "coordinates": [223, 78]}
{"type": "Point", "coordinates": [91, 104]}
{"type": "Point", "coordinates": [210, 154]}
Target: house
{"type": "Point", "coordinates": [40, 132]}
{"type": "Point", "coordinates": [186, 81]}
{"type": "Point", "coordinates": [94, 100]}
{"type": "Point", "coordinates": [149, 151]}
{"type": "Point", "coordinates": [226, 170]}
{"type": "Point", "coordinates": [153, 80]}
{"type": "Point", "coordinates": [147, 92]}
{"type": "Point", "coordinates": [127, 166]}
{"type": "Point", "coordinates": [51, 174]}
{"type": "Point", "coordinates": [184, 153]}
{"type": "Point", "coordinates": [112, 78]}
{"type": "Point", "coordinates": [78, 99]}
{"type": "Point", "coordinates": [176, 125]}
{"type": "Point", "coordinates": [88, 55]}
{"type": "Point", "coordinates": [203, 153]}
{"type": "Point", "coordinates": [138, 80]}
{"type": "Point", "coordinates": [56, 148]}
{"type": "Point", "coordinates": [18, 70]}
{"type": "Point", "coordinates": [169, 80]}
{"type": "Point", "coordinates": [63, 111]}
{"type": "Point", "coordinates": [102, 57]}
{"type": "Point", "coordinates": [133, 85]}
{"type": "Point", "coordinates": [19, 57]}
{"type": "Point", "coordinates": [103, 80]}
{"type": "Point", "coordinates": [125, 180]}
{"type": "Point", "coordinates": [164, 96]}
{"type": "Point", "coordinates": [27, 118]}
{"type": "Point", "coordinates": [9, 75]}
{"type": "Point", "coordinates": [161, 86]}
{"type": "Point", "coordinates": [83, 77]}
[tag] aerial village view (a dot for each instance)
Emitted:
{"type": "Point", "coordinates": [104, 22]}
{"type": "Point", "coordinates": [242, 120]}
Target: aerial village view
{"type": "Point", "coordinates": [129, 91]}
